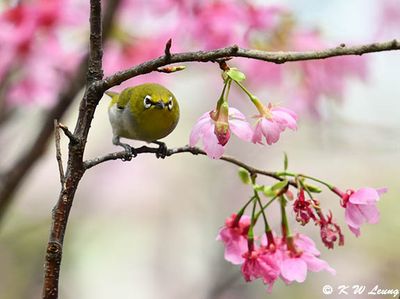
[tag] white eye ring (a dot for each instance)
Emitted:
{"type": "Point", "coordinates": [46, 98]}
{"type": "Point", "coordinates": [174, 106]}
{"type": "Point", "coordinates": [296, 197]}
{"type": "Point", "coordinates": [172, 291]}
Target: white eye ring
{"type": "Point", "coordinates": [170, 104]}
{"type": "Point", "coordinates": [147, 102]}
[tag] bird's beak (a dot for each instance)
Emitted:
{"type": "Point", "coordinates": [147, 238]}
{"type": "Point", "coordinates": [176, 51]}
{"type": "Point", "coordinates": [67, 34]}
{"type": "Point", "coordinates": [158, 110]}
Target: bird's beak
{"type": "Point", "coordinates": [160, 105]}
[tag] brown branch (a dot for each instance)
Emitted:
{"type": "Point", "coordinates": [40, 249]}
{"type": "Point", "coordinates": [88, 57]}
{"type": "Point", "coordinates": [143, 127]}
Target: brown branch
{"type": "Point", "coordinates": [95, 71]}
{"type": "Point", "coordinates": [75, 168]}
{"type": "Point", "coordinates": [235, 51]}
{"type": "Point", "coordinates": [184, 149]}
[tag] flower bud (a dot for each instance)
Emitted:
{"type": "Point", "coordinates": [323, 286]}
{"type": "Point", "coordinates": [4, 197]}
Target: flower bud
{"type": "Point", "coordinates": [221, 129]}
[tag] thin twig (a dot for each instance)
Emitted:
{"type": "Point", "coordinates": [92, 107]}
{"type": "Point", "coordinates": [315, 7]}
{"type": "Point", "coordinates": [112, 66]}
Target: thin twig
{"type": "Point", "coordinates": [184, 149]}
{"type": "Point", "coordinates": [72, 138]}
{"type": "Point", "coordinates": [167, 50]}
{"type": "Point", "coordinates": [235, 51]}
{"type": "Point", "coordinates": [58, 152]}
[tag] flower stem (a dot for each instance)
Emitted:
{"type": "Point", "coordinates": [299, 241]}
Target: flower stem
{"type": "Point", "coordinates": [285, 224]}
{"type": "Point", "coordinates": [285, 173]}
{"type": "Point", "coordinates": [256, 195]}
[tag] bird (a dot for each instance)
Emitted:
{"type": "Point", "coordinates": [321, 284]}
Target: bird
{"type": "Point", "coordinates": [146, 112]}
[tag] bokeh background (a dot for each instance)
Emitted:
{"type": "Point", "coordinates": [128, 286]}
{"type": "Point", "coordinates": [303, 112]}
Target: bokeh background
{"type": "Point", "coordinates": [147, 228]}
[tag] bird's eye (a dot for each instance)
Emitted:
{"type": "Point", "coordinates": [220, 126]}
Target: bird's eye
{"type": "Point", "coordinates": [170, 104]}
{"type": "Point", "coordinates": [147, 102]}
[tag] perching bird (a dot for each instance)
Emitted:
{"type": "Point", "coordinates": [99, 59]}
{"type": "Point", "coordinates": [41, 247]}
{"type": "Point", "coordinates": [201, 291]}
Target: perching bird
{"type": "Point", "coordinates": [146, 112]}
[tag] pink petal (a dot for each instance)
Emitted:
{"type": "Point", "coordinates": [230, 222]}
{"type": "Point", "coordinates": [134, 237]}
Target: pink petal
{"type": "Point", "coordinates": [353, 215]}
{"type": "Point", "coordinates": [370, 213]}
{"type": "Point", "coordinates": [211, 145]}
{"type": "Point", "coordinates": [270, 130]}
{"type": "Point", "coordinates": [257, 135]}
{"type": "Point", "coordinates": [284, 119]}
{"type": "Point", "coordinates": [241, 129]}
{"type": "Point", "coordinates": [235, 113]}
{"type": "Point", "coordinates": [306, 244]}
{"type": "Point", "coordinates": [315, 264]}
{"type": "Point", "coordinates": [294, 269]}
{"type": "Point", "coordinates": [286, 110]}
{"type": "Point", "coordinates": [202, 125]}
{"type": "Point", "coordinates": [235, 245]}
{"type": "Point", "coordinates": [364, 196]}
{"type": "Point", "coordinates": [381, 191]}
{"type": "Point", "coordinates": [355, 231]}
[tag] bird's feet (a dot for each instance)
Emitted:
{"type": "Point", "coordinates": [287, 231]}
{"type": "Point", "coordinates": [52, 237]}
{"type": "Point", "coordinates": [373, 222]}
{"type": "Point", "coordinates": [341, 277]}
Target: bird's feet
{"type": "Point", "coordinates": [162, 149]}
{"type": "Point", "coordinates": [129, 150]}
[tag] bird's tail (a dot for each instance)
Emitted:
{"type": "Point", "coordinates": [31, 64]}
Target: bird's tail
{"type": "Point", "coordinates": [114, 97]}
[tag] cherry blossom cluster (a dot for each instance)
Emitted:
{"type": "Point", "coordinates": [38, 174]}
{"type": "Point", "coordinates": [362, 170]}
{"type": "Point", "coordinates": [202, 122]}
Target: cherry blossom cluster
{"type": "Point", "coordinates": [214, 127]}
{"type": "Point", "coordinates": [39, 37]}
{"type": "Point", "coordinates": [34, 58]}
{"type": "Point", "coordinates": [290, 256]}
{"type": "Point", "coordinates": [212, 24]}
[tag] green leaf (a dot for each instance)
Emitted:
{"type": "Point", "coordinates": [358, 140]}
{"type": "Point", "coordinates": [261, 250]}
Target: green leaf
{"type": "Point", "coordinates": [280, 185]}
{"type": "Point", "coordinates": [285, 162]}
{"type": "Point", "coordinates": [244, 176]}
{"type": "Point", "coordinates": [313, 189]}
{"type": "Point", "coordinates": [235, 75]}
{"type": "Point", "coordinates": [267, 190]}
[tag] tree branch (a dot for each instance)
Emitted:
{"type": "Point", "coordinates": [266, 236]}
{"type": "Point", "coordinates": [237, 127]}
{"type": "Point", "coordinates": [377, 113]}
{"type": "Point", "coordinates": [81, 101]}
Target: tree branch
{"type": "Point", "coordinates": [184, 149]}
{"type": "Point", "coordinates": [235, 51]}
{"type": "Point", "coordinates": [76, 148]}
{"type": "Point", "coordinates": [95, 70]}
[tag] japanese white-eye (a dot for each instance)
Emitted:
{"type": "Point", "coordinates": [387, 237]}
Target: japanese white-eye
{"type": "Point", "coordinates": [145, 112]}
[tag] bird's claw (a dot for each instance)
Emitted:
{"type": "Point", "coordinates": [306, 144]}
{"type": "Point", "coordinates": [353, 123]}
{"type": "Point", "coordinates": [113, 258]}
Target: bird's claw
{"type": "Point", "coordinates": [130, 152]}
{"type": "Point", "coordinates": [162, 150]}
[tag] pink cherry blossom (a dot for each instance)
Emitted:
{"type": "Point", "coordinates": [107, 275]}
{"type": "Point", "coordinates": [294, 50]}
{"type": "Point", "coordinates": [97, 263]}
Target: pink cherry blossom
{"type": "Point", "coordinates": [323, 77]}
{"type": "Point", "coordinates": [262, 264]}
{"type": "Point", "coordinates": [205, 129]}
{"type": "Point", "coordinates": [32, 51]}
{"type": "Point", "coordinates": [294, 265]}
{"type": "Point", "coordinates": [234, 237]}
{"type": "Point", "coordinates": [273, 123]}
{"type": "Point", "coordinates": [221, 22]}
{"type": "Point", "coordinates": [388, 19]}
{"type": "Point", "coordinates": [361, 207]}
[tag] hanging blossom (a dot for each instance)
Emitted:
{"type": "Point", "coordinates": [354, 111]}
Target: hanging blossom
{"type": "Point", "coordinates": [214, 130]}
{"type": "Point", "coordinates": [234, 237]}
{"type": "Point", "coordinates": [298, 259]}
{"type": "Point", "coordinates": [360, 207]}
{"type": "Point", "coordinates": [271, 122]}
{"type": "Point", "coordinates": [287, 258]}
